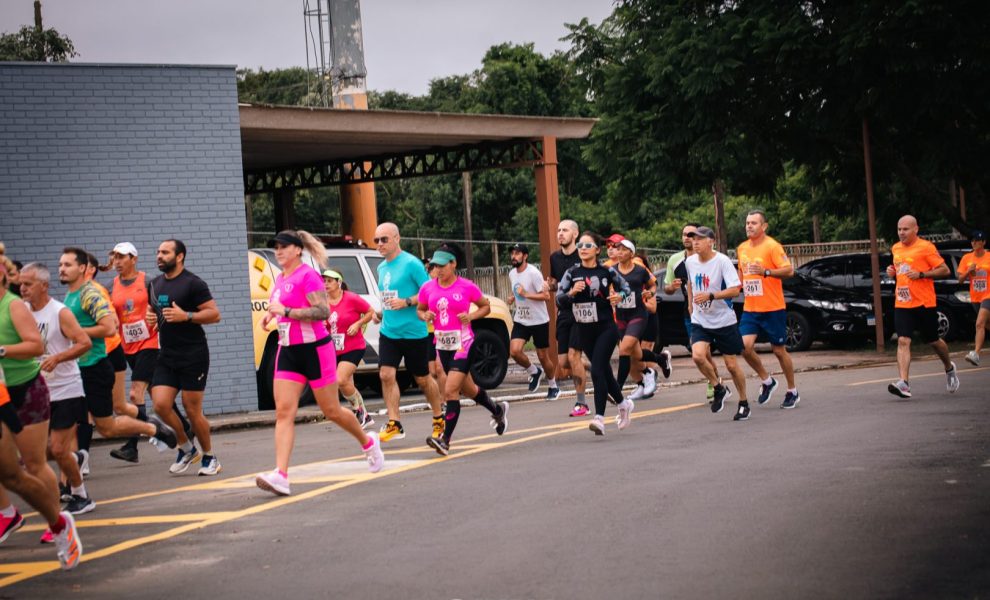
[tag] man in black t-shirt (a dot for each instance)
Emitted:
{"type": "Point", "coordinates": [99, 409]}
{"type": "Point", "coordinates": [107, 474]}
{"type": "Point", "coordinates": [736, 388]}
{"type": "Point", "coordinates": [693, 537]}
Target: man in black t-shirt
{"type": "Point", "coordinates": [180, 304]}
{"type": "Point", "coordinates": [569, 360]}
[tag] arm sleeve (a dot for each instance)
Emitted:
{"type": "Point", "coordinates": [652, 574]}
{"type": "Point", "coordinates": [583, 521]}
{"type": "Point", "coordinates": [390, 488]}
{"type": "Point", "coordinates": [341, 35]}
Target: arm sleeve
{"type": "Point", "coordinates": [476, 293]}
{"type": "Point", "coordinates": [92, 302]}
{"type": "Point", "coordinates": [423, 297]}
{"type": "Point", "coordinates": [619, 283]}
{"type": "Point", "coordinates": [313, 283]}
{"type": "Point", "coordinates": [779, 257]}
{"type": "Point", "coordinates": [361, 304]}
{"type": "Point", "coordinates": [934, 258]}
{"type": "Point", "coordinates": [199, 293]}
{"type": "Point", "coordinates": [563, 287]}
{"type": "Point", "coordinates": [418, 271]}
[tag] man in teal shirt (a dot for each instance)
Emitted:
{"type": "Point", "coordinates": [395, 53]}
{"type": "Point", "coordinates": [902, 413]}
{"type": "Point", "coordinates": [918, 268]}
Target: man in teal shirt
{"type": "Point", "coordinates": [403, 335]}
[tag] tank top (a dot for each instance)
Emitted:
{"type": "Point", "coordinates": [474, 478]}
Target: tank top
{"type": "Point", "coordinates": [65, 381]}
{"type": "Point", "coordinates": [17, 370]}
{"type": "Point", "coordinates": [131, 303]}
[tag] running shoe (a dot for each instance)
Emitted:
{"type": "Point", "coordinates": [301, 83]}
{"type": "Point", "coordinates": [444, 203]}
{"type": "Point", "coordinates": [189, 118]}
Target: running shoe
{"type": "Point", "coordinates": [535, 379]}
{"type": "Point", "coordinates": [364, 419]}
{"type": "Point", "coordinates": [127, 453]}
{"type": "Point", "coordinates": [67, 544]}
{"type": "Point", "coordinates": [951, 379]}
{"type": "Point", "coordinates": [791, 400]}
{"type": "Point", "coordinates": [64, 492]}
{"type": "Point", "coordinates": [163, 433]}
{"type": "Point", "coordinates": [47, 537]}
{"type": "Point", "coordinates": [392, 431]}
{"type": "Point", "coordinates": [374, 454]}
{"type": "Point", "coordinates": [665, 363]}
{"type": "Point", "coordinates": [10, 525]}
{"type": "Point", "coordinates": [742, 413]}
{"type": "Point", "coordinates": [439, 444]}
{"type": "Point", "coordinates": [439, 425]}
{"type": "Point", "coordinates": [973, 358]}
{"type": "Point", "coordinates": [649, 382]}
{"type": "Point", "coordinates": [900, 388]}
{"type": "Point", "coordinates": [82, 457]}
{"type": "Point", "coordinates": [80, 505]}
{"type": "Point", "coordinates": [721, 393]}
{"type": "Point", "coordinates": [500, 422]}
{"type": "Point", "coordinates": [209, 466]}
{"type": "Point", "coordinates": [639, 391]}
{"type": "Point", "coordinates": [597, 425]}
{"type": "Point", "coordinates": [579, 410]}
{"type": "Point", "coordinates": [273, 482]}
{"type": "Point", "coordinates": [625, 413]}
{"type": "Point", "coordinates": [183, 459]}
{"type": "Point", "coordinates": [553, 394]}
{"type": "Point", "coordinates": [766, 391]}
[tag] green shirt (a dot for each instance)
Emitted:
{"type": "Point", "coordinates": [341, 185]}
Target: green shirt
{"type": "Point", "coordinates": [668, 277]}
{"type": "Point", "coordinates": [16, 370]}
{"type": "Point", "coordinates": [89, 306]}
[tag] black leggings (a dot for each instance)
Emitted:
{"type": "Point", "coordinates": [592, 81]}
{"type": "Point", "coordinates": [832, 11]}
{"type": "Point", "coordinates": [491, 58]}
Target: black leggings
{"type": "Point", "coordinates": [598, 341]}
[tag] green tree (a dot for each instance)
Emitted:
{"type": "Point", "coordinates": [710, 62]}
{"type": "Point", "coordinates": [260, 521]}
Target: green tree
{"type": "Point", "coordinates": [36, 44]}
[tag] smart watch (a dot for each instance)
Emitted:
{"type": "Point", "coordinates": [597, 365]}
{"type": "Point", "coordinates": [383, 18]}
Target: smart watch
{"type": "Point", "coordinates": [766, 272]}
{"type": "Point", "coordinates": [190, 316]}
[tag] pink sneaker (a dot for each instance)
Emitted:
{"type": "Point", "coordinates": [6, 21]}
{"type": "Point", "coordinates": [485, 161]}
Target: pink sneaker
{"type": "Point", "coordinates": [579, 410]}
{"type": "Point", "coordinates": [47, 537]}
{"type": "Point", "coordinates": [374, 454]}
{"type": "Point", "coordinates": [10, 525]}
{"type": "Point", "coordinates": [273, 482]}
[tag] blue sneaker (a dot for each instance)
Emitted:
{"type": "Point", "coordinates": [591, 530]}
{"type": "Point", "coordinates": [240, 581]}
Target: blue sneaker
{"type": "Point", "coordinates": [766, 391]}
{"type": "Point", "coordinates": [790, 400]}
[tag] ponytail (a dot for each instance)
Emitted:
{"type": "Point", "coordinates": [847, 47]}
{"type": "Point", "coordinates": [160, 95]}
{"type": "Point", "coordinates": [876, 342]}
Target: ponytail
{"type": "Point", "coordinates": [315, 247]}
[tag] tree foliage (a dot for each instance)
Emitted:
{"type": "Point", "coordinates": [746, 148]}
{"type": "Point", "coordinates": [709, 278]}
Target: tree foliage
{"type": "Point", "coordinates": [32, 44]}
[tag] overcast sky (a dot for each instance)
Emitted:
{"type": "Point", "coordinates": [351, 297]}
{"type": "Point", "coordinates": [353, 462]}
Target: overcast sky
{"type": "Point", "coordinates": [406, 42]}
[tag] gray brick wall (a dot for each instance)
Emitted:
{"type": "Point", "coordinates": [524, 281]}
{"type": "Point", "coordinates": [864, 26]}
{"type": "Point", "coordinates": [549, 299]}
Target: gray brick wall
{"type": "Point", "coordinates": [91, 155]}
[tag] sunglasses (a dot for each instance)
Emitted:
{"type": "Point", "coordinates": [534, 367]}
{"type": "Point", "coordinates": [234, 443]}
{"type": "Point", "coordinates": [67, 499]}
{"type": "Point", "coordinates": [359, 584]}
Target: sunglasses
{"type": "Point", "coordinates": [380, 240]}
{"type": "Point", "coordinates": [585, 245]}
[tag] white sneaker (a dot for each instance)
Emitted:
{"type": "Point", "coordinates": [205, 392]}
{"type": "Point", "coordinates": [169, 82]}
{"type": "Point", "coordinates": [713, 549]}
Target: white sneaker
{"type": "Point", "coordinates": [273, 482]}
{"type": "Point", "coordinates": [625, 413]}
{"type": "Point", "coordinates": [597, 425]}
{"type": "Point", "coordinates": [82, 457]}
{"type": "Point", "coordinates": [951, 379]}
{"type": "Point", "coordinates": [67, 544]}
{"type": "Point", "coordinates": [210, 467]}
{"type": "Point", "coordinates": [973, 358]}
{"type": "Point", "coordinates": [183, 459]}
{"type": "Point", "coordinates": [639, 391]}
{"type": "Point", "coordinates": [649, 382]}
{"type": "Point", "coordinates": [374, 454]}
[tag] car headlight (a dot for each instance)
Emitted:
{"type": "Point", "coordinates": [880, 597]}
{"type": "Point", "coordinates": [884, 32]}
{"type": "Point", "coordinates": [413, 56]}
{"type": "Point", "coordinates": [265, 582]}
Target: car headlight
{"type": "Point", "coordinates": [964, 296]}
{"type": "Point", "coordinates": [864, 305]}
{"type": "Point", "coordinates": [829, 305]}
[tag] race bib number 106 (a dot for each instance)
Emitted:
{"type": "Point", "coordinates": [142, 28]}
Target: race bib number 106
{"type": "Point", "coordinates": [586, 312]}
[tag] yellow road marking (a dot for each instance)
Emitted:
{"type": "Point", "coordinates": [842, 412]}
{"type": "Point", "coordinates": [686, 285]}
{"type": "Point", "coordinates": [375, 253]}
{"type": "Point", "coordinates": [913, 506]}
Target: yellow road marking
{"type": "Point", "coordinates": [913, 377]}
{"type": "Point", "coordinates": [22, 571]}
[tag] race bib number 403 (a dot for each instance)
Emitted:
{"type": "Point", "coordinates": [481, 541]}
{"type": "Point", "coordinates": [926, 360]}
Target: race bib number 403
{"type": "Point", "coordinates": [135, 332]}
{"type": "Point", "coordinates": [586, 312]}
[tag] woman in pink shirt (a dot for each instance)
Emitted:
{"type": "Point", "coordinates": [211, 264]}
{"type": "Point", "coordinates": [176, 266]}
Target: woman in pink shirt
{"type": "Point", "coordinates": [446, 302]}
{"type": "Point", "coordinates": [349, 313]}
{"type": "Point", "coordinates": [305, 355]}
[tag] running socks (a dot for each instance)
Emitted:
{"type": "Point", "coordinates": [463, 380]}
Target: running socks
{"type": "Point", "coordinates": [453, 413]}
{"type": "Point", "coordinates": [625, 363]}
{"type": "Point", "coordinates": [580, 398]}
{"type": "Point", "coordinates": [531, 369]}
{"type": "Point", "coordinates": [84, 436]}
{"type": "Point", "coordinates": [649, 356]}
{"type": "Point", "coordinates": [483, 400]}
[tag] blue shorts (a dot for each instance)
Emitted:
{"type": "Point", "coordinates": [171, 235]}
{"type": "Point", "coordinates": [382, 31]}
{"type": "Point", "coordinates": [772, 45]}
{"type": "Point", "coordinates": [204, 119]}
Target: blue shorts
{"type": "Point", "coordinates": [687, 327]}
{"type": "Point", "coordinates": [773, 323]}
{"type": "Point", "coordinates": [724, 339]}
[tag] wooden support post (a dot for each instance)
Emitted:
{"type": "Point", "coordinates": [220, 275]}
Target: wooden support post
{"type": "Point", "coordinates": [469, 251]}
{"type": "Point", "coordinates": [284, 209]}
{"type": "Point", "coordinates": [874, 250]}
{"type": "Point", "coordinates": [548, 217]}
{"type": "Point", "coordinates": [718, 190]}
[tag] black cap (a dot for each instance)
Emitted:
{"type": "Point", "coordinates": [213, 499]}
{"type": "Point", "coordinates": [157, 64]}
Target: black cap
{"type": "Point", "coordinates": [286, 239]}
{"type": "Point", "coordinates": [978, 236]}
{"type": "Point", "coordinates": [520, 248]}
{"type": "Point", "coordinates": [703, 232]}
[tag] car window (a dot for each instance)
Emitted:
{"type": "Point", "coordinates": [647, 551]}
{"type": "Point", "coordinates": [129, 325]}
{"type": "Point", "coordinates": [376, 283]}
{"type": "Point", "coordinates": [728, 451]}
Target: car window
{"type": "Point", "coordinates": [861, 272]}
{"type": "Point", "coordinates": [373, 262]}
{"type": "Point", "coordinates": [349, 267]}
{"type": "Point", "coordinates": [830, 272]}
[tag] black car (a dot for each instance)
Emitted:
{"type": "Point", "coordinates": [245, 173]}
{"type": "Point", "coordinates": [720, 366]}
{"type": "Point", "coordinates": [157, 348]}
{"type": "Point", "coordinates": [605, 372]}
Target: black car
{"type": "Point", "coordinates": [956, 316]}
{"type": "Point", "coordinates": [815, 311]}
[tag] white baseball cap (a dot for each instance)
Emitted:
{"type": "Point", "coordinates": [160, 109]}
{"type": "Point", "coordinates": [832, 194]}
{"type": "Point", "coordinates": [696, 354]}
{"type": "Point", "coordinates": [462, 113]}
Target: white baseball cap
{"type": "Point", "coordinates": [125, 248]}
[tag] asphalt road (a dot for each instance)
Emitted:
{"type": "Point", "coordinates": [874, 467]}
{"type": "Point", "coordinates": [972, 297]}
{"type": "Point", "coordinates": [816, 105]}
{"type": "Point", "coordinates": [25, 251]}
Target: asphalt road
{"type": "Point", "coordinates": [854, 494]}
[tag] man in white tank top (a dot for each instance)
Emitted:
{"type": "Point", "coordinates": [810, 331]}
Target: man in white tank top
{"type": "Point", "coordinates": [65, 341]}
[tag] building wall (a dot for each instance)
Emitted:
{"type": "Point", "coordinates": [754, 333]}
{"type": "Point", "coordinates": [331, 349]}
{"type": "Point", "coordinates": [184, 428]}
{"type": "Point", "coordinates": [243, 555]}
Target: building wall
{"type": "Point", "coordinates": [92, 155]}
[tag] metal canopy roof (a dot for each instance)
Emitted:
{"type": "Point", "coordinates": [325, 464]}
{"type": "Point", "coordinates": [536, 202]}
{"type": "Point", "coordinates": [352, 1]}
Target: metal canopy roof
{"type": "Point", "coordinates": [274, 137]}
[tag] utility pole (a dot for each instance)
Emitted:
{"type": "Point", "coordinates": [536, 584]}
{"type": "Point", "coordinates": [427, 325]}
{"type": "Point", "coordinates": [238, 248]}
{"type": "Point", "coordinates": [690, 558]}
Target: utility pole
{"type": "Point", "coordinates": [468, 235]}
{"type": "Point", "coordinates": [38, 31]}
{"type": "Point", "coordinates": [871, 212]}
{"type": "Point", "coordinates": [723, 237]}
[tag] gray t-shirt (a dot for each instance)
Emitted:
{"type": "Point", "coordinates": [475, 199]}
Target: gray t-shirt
{"type": "Point", "coordinates": [709, 277]}
{"type": "Point", "coordinates": [528, 312]}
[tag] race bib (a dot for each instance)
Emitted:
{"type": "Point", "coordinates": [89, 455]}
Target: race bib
{"type": "Point", "coordinates": [448, 340]}
{"type": "Point", "coordinates": [903, 294]}
{"type": "Point", "coordinates": [629, 302]}
{"type": "Point", "coordinates": [387, 296]}
{"type": "Point", "coordinates": [338, 341]}
{"type": "Point", "coordinates": [283, 333]}
{"type": "Point", "coordinates": [522, 312]}
{"type": "Point", "coordinates": [980, 285]}
{"type": "Point", "coordinates": [135, 332]}
{"type": "Point", "coordinates": [586, 312]}
{"type": "Point", "coordinates": [753, 287]}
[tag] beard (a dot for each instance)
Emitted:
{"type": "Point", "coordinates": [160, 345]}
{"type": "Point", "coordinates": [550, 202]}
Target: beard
{"type": "Point", "coordinates": [167, 266]}
{"type": "Point", "coordinates": [515, 263]}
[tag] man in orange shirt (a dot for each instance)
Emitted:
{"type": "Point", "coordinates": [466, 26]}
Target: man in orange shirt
{"type": "Point", "coordinates": [916, 264]}
{"type": "Point", "coordinates": [975, 266]}
{"type": "Point", "coordinates": [762, 265]}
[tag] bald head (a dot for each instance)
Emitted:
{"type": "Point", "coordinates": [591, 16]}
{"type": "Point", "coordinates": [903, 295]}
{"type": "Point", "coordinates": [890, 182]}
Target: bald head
{"type": "Point", "coordinates": [567, 233]}
{"type": "Point", "coordinates": [387, 229]}
{"type": "Point", "coordinates": [387, 240]}
{"type": "Point", "coordinates": [907, 229]}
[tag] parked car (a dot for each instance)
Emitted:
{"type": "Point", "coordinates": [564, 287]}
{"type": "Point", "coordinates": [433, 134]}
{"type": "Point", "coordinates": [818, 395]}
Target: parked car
{"type": "Point", "coordinates": [359, 266]}
{"type": "Point", "coordinates": [815, 311]}
{"type": "Point", "coordinates": [853, 272]}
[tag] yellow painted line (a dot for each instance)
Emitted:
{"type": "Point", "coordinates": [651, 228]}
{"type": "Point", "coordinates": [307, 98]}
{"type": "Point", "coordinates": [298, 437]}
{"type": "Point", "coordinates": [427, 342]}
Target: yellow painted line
{"type": "Point", "coordinates": [913, 377]}
{"type": "Point", "coordinates": [22, 571]}
{"type": "Point", "coordinates": [142, 520]}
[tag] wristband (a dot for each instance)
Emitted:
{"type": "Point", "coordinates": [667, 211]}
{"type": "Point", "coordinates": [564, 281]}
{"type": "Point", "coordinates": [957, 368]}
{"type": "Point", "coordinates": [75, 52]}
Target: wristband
{"type": "Point", "coordinates": [921, 274]}
{"type": "Point", "coordinates": [287, 311]}
{"type": "Point", "coordinates": [189, 315]}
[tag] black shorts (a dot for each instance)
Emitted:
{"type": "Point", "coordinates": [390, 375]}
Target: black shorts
{"type": "Point", "coordinates": [142, 364]}
{"type": "Point", "coordinates": [118, 359]}
{"type": "Point", "coordinates": [567, 335]}
{"type": "Point", "coordinates": [98, 382]}
{"type": "Point", "coordinates": [416, 353]}
{"type": "Point", "coordinates": [922, 319]}
{"type": "Point", "coordinates": [635, 328]}
{"type": "Point", "coordinates": [652, 328]}
{"type": "Point", "coordinates": [67, 413]}
{"type": "Point", "coordinates": [450, 363]}
{"type": "Point", "coordinates": [354, 356]}
{"type": "Point", "coordinates": [540, 334]}
{"type": "Point", "coordinates": [184, 375]}
{"type": "Point", "coordinates": [724, 339]}
{"type": "Point", "coordinates": [433, 346]}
